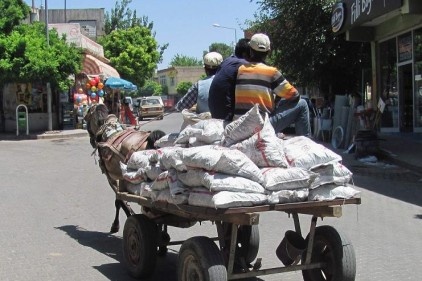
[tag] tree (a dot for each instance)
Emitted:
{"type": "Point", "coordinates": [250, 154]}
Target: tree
{"type": "Point", "coordinates": [151, 88]}
{"type": "Point", "coordinates": [305, 48]}
{"type": "Point", "coordinates": [25, 58]}
{"type": "Point", "coordinates": [13, 12]}
{"type": "Point", "coordinates": [224, 49]}
{"type": "Point", "coordinates": [183, 87]}
{"type": "Point", "coordinates": [182, 60]}
{"type": "Point", "coordinates": [132, 53]}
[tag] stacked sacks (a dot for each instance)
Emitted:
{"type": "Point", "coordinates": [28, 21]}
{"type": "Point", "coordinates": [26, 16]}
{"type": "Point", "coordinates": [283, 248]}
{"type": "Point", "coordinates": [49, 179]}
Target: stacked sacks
{"type": "Point", "coordinates": [242, 163]}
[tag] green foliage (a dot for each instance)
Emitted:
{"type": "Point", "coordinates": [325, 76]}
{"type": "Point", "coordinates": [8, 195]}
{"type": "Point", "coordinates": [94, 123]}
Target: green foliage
{"type": "Point", "coordinates": [151, 88]}
{"type": "Point", "coordinates": [182, 60]}
{"type": "Point", "coordinates": [25, 56]}
{"type": "Point", "coordinates": [224, 49]}
{"type": "Point", "coordinates": [133, 52]}
{"type": "Point", "coordinates": [123, 18]}
{"type": "Point", "coordinates": [12, 13]}
{"type": "Point", "coordinates": [183, 87]}
{"type": "Point", "coordinates": [305, 48]}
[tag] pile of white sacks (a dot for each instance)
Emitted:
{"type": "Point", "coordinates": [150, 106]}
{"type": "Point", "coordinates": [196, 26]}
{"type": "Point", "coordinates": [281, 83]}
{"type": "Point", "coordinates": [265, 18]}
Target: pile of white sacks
{"type": "Point", "coordinates": [242, 163]}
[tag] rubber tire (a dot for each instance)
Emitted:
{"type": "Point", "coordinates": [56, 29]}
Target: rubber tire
{"type": "Point", "coordinates": [248, 237]}
{"type": "Point", "coordinates": [336, 250]}
{"type": "Point", "coordinates": [337, 137]}
{"type": "Point", "coordinates": [140, 245]}
{"type": "Point", "coordinates": [200, 259]}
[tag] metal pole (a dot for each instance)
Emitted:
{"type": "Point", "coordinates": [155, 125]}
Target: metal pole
{"type": "Point", "coordinates": [65, 12]}
{"type": "Point", "coordinates": [49, 99]}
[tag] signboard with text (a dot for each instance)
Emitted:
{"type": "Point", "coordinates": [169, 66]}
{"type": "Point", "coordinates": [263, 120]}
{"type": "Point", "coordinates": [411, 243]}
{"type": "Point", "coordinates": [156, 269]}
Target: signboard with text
{"type": "Point", "coordinates": [351, 13]}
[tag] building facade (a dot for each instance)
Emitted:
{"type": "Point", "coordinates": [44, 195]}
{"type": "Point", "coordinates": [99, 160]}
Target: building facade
{"type": "Point", "coordinates": [172, 76]}
{"type": "Point", "coordinates": [394, 29]}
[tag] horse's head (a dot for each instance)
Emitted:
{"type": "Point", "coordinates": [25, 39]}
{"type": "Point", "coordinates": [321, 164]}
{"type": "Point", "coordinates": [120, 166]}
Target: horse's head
{"type": "Point", "coordinates": [95, 118]}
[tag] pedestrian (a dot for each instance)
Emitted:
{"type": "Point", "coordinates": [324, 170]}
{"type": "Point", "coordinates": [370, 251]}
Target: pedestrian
{"type": "Point", "coordinates": [259, 83]}
{"type": "Point", "coordinates": [221, 95]}
{"type": "Point", "coordinates": [198, 93]}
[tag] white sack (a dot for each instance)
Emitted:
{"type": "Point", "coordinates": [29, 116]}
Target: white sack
{"type": "Point", "coordinates": [224, 199]}
{"type": "Point", "coordinates": [244, 127]}
{"type": "Point", "coordinates": [140, 159]}
{"type": "Point", "coordinates": [288, 196]}
{"type": "Point", "coordinates": [264, 148]}
{"type": "Point", "coordinates": [161, 182]}
{"type": "Point", "coordinates": [165, 196]}
{"type": "Point", "coordinates": [170, 157]}
{"type": "Point", "coordinates": [192, 177]}
{"type": "Point", "coordinates": [331, 192]}
{"type": "Point", "coordinates": [305, 153]}
{"type": "Point", "coordinates": [335, 173]}
{"type": "Point", "coordinates": [287, 178]}
{"type": "Point", "coordinates": [224, 182]}
{"type": "Point", "coordinates": [176, 187]}
{"type": "Point", "coordinates": [190, 118]}
{"type": "Point", "coordinates": [152, 172]}
{"type": "Point", "coordinates": [167, 140]}
{"type": "Point", "coordinates": [220, 159]}
{"type": "Point", "coordinates": [133, 176]}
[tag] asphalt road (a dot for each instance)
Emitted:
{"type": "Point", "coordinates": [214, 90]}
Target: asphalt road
{"type": "Point", "coordinates": [57, 209]}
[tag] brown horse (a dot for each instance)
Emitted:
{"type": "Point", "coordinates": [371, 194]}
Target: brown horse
{"type": "Point", "coordinates": [115, 143]}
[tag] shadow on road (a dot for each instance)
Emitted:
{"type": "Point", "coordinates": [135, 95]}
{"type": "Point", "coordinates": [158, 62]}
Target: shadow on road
{"type": "Point", "coordinates": [111, 246]}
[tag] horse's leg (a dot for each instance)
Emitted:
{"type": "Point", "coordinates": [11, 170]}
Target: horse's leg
{"type": "Point", "coordinates": [126, 208]}
{"type": "Point", "coordinates": [116, 226]}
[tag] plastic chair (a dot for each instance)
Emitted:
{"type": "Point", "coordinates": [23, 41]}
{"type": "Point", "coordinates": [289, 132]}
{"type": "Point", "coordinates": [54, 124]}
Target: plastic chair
{"type": "Point", "coordinates": [325, 126]}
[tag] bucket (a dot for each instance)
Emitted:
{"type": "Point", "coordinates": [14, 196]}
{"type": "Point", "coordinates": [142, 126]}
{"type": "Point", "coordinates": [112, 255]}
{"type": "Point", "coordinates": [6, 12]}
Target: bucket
{"type": "Point", "coordinates": [291, 248]}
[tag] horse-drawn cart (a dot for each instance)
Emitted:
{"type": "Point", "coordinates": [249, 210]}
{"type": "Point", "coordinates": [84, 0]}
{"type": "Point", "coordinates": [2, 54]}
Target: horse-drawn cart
{"type": "Point", "coordinates": [325, 254]}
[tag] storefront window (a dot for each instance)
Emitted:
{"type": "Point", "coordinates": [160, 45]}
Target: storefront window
{"type": "Point", "coordinates": [418, 77]}
{"type": "Point", "coordinates": [389, 93]}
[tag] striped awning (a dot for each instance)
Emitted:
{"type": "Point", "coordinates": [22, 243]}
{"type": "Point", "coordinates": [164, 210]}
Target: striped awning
{"type": "Point", "coordinates": [93, 66]}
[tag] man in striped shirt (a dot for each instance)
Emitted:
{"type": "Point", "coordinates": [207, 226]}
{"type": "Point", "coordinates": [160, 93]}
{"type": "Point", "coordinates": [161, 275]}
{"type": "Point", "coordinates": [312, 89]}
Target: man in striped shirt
{"type": "Point", "coordinates": [258, 83]}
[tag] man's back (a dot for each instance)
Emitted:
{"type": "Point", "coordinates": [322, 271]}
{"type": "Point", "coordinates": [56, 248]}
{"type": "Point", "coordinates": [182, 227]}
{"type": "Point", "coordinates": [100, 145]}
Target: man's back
{"type": "Point", "coordinates": [221, 94]}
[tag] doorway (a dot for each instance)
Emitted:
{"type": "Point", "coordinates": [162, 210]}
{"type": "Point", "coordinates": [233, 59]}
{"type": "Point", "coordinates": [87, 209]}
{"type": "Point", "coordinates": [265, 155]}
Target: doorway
{"type": "Point", "coordinates": [406, 98]}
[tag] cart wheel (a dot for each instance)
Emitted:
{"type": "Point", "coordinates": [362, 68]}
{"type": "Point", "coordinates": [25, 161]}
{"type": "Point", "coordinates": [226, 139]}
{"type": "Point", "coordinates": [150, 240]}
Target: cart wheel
{"type": "Point", "coordinates": [200, 259]}
{"type": "Point", "coordinates": [248, 237]}
{"type": "Point", "coordinates": [140, 245]}
{"type": "Point", "coordinates": [336, 251]}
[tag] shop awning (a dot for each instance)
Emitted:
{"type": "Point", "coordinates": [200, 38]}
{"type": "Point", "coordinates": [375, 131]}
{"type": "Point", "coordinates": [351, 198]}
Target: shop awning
{"type": "Point", "coordinates": [93, 66]}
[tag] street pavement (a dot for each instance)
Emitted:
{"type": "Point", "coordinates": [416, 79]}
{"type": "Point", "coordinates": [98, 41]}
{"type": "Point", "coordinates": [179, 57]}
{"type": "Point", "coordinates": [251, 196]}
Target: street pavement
{"type": "Point", "coordinates": [57, 209]}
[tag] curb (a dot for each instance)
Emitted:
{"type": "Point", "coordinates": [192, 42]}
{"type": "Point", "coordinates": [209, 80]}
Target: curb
{"type": "Point", "coordinates": [387, 156]}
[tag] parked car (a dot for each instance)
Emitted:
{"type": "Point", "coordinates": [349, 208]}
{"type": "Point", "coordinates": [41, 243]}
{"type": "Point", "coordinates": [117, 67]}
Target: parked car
{"type": "Point", "coordinates": [150, 107]}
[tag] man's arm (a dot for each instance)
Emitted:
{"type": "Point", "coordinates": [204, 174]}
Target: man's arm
{"type": "Point", "coordinates": [283, 89]}
{"type": "Point", "coordinates": [189, 99]}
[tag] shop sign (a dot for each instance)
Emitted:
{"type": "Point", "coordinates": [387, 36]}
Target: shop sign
{"type": "Point", "coordinates": [357, 12]}
{"type": "Point", "coordinates": [337, 17]}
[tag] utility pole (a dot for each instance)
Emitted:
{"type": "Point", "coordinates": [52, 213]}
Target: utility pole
{"type": "Point", "coordinates": [49, 98]}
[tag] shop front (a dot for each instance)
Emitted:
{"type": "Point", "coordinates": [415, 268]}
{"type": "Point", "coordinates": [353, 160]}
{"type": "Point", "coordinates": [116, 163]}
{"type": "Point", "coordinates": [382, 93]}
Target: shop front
{"type": "Point", "coordinates": [394, 28]}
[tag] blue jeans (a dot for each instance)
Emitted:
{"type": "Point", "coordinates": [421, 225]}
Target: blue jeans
{"type": "Point", "coordinates": [292, 112]}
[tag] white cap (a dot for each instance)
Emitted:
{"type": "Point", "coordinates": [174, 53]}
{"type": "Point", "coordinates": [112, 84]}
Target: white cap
{"type": "Point", "coordinates": [213, 59]}
{"type": "Point", "coordinates": [260, 42]}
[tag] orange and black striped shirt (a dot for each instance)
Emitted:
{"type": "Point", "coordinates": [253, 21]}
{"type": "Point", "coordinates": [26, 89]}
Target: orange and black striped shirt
{"type": "Point", "coordinates": [258, 83]}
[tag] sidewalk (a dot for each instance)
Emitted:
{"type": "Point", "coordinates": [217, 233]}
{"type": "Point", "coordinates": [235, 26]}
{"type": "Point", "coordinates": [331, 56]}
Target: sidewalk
{"type": "Point", "coordinates": [63, 134]}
